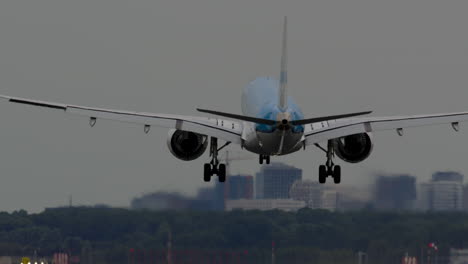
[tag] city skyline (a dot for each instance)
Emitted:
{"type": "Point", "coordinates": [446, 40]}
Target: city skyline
{"type": "Point", "coordinates": [389, 192]}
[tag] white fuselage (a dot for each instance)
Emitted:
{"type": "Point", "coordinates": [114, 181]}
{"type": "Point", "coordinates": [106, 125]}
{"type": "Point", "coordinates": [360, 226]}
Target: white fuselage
{"type": "Point", "coordinates": [260, 99]}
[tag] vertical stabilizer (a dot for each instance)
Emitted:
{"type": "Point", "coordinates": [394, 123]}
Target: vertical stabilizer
{"type": "Point", "coordinates": [283, 97]}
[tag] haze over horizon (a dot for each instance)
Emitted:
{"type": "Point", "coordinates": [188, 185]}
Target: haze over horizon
{"type": "Point", "coordinates": [392, 57]}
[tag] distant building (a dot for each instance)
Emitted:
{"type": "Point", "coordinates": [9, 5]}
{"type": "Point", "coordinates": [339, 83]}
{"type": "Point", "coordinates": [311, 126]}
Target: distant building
{"type": "Point", "coordinates": [395, 192]}
{"type": "Point", "coordinates": [315, 195]}
{"type": "Point", "coordinates": [330, 200]}
{"type": "Point", "coordinates": [205, 201]}
{"type": "Point", "coordinates": [99, 205]}
{"type": "Point", "coordinates": [447, 196]}
{"type": "Point", "coordinates": [443, 193]}
{"type": "Point", "coordinates": [206, 193]}
{"type": "Point", "coordinates": [308, 191]}
{"type": "Point", "coordinates": [465, 198]}
{"type": "Point", "coordinates": [235, 187]}
{"type": "Point", "coordinates": [447, 176]}
{"type": "Point", "coordinates": [424, 196]}
{"type": "Point", "coordinates": [353, 197]}
{"type": "Point", "coordinates": [22, 259]}
{"type": "Point", "coordinates": [200, 205]}
{"type": "Point", "coordinates": [458, 256]}
{"type": "Point", "coordinates": [274, 181]}
{"type": "Point", "coordinates": [160, 201]}
{"type": "Point", "coordinates": [6, 260]}
{"type": "Point", "coordinates": [61, 258]}
{"type": "Point", "coordinates": [288, 205]}
{"type": "Point", "coordinates": [238, 187]}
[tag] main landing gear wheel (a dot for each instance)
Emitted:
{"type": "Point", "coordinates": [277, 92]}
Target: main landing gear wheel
{"type": "Point", "coordinates": [214, 167]}
{"type": "Point", "coordinates": [322, 174]}
{"type": "Point", "coordinates": [262, 158]}
{"type": "Point", "coordinates": [207, 172]}
{"type": "Point", "coordinates": [337, 174]}
{"type": "Point", "coordinates": [222, 172]}
{"type": "Point", "coordinates": [333, 171]}
{"type": "Point", "coordinates": [330, 169]}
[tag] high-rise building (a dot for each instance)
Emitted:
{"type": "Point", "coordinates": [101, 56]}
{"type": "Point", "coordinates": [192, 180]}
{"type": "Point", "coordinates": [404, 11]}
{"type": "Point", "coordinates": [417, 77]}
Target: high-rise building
{"type": "Point", "coordinates": [395, 192]}
{"type": "Point", "coordinates": [424, 196]}
{"type": "Point", "coordinates": [447, 196]}
{"type": "Point", "coordinates": [274, 181]}
{"type": "Point", "coordinates": [447, 191]}
{"type": "Point", "coordinates": [465, 198]}
{"type": "Point", "coordinates": [236, 187]}
{"type": "Point", "coordinates": [443, 193]}
{"type": "Point", "coordinates": [447, 176]}
{"type": "Point", "coordinates": [239, 187]}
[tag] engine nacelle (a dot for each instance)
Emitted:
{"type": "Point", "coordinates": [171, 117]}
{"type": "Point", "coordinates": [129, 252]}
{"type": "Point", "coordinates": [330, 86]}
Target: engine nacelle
{"type": "Point", "coordinates": [186, 145]}
{"type": "Point", "coordinates": [353, 148]}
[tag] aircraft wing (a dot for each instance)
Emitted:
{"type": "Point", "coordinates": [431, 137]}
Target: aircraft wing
{"type": "Point", "coordinates": [222, 129]}
{"type": "Point", "coordinates": [323, 131]}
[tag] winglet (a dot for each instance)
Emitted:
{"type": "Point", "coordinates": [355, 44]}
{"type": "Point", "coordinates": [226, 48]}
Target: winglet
{"type": "Point", "coordinates": [283, 100]}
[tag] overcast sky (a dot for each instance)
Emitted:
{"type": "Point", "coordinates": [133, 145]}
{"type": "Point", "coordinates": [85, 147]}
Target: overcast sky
{"type": "Point", "coordinates": [169, 56]}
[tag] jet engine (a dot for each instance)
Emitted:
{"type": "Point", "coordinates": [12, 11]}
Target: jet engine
{"type": "Point", "coordinates": [353, 148]}
{"type": "Point", "coordinates": [186, 145]}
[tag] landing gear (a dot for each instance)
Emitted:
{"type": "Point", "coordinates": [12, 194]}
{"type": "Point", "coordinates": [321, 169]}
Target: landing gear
{"type": "Point", "coordinates": [210, 170]}
{"type": "Point", "coordinates": [337, 174]}
{"type": "Point", "coordinates": [207, 172]}
{"type": "Point", "coordinates": [262, 158]}
{"type": "Point", "coordinates": [330, 169]}
{"type": "Point", "coordinates": [322, 174]}
{"type": "Point", "coordinates": [221, 172]}
{"type": "Point", "coordinates": [214, 167]}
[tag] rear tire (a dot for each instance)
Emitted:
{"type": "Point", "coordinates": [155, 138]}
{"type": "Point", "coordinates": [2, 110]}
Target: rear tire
{"type": "Point", "coordinates": [207, 172]}
{"type": "Point", "coordinates": [337, 174]}
{"type": "Point", "coordinates": [267, 158]}
{"type": "Point", "coordinates": [260, 159]}
{"type": "Point", "coordinates": [222, 173]}
{"type": "Point", "coordinates": [322, 174]}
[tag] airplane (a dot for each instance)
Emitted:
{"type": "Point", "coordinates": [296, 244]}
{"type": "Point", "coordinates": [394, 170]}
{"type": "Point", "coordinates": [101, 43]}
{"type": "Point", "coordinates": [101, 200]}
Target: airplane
{"type": "Point", "coordinates": [271, 124]}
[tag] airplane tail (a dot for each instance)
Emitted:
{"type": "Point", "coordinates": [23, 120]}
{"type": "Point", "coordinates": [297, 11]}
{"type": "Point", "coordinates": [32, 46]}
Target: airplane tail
{"type": "Point", "coordinates": [283, 97]}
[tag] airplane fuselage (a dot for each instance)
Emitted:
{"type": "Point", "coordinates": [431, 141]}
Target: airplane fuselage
{"type": "Point", "coordinates": [260, 99]}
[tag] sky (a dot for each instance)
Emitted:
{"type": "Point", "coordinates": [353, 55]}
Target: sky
{"type": "Point", "coordinates": [171, 56]}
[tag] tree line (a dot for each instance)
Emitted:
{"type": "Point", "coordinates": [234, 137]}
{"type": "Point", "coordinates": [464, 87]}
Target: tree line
{"type": "Point", "coordinates": [313, 235]}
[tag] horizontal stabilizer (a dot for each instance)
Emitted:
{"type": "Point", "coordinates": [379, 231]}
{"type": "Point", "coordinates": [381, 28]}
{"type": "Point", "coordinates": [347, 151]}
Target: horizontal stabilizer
{"type": "Point", "coordinates": [273, 122]}
{"type": "Point", "coordinates": [326, 118]}
{"type": "Point", "coordinates": [240, 117]}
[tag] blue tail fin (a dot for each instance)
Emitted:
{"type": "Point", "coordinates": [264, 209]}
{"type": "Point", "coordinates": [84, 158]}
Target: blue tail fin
{"type": "Point", "coordinates": [283, 97]}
